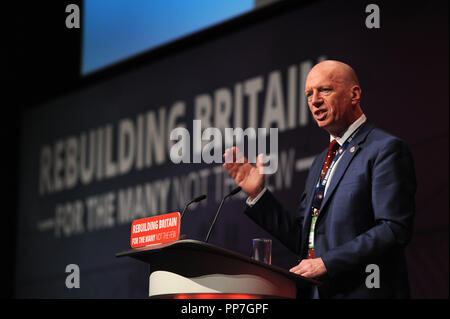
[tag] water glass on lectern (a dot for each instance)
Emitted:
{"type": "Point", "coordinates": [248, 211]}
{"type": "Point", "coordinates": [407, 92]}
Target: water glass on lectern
{"type": "Point", "coordinates": [262, 250]}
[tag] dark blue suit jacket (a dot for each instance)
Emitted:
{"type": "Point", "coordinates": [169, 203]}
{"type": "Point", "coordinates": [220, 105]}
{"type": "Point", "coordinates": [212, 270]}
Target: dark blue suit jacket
{"type": "Point", "coordinates": [366, 217]}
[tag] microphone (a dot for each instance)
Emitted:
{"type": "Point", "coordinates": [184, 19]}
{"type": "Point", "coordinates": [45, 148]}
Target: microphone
{"type": "Point", "coordinates": [195, 200]}
{"type": "Point", "coordinates": [233, 192]}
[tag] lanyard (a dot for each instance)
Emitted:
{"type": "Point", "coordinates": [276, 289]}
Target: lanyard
{"type": "Point", "coordinates": [320, 187]}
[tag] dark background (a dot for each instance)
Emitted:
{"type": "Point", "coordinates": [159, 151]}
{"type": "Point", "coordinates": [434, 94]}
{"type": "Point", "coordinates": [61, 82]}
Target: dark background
{"type": "Point", "coordinates": [43, 61]}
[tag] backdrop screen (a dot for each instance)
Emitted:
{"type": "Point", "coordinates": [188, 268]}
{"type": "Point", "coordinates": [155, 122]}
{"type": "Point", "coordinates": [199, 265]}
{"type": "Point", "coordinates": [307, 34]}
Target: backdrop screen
{"type": "Point", "coordinates": [117, 29]}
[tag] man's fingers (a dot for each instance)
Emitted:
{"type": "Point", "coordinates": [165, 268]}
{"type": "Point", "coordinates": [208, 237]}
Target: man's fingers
{"type": "Point", "coordinates": [233, 155]}
{"type": "Point", "coordinates": [294, 270]}
{"type": "Point", "coordinates": [242, 172]}
{"type": "Point", "coordinates": [228, 156]}
{"type": "Point", "coordinates": [259, 161]}
{"type": "Point", "coordinates": [234, 161]}
{"type": "Point", "coordinates": [239, 156]}
{"type": "Point", "coordinates": [307, 275]}
{"type": "Point", "coordinates": [297, 269]}
{"type": "Point", "coordinates": [302, 272]}
{"type": "Point", "coordinates": [237, 171]}
{"type": "Point", "coordinates": [303, 268]}
{"type": "Point", "coordinates": [310, 268]}
{"type": "Point", "coordinates": [229, 159]}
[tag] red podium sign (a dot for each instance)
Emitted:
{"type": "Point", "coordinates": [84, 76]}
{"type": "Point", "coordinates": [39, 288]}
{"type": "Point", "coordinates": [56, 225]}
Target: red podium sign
{"type": "Point", "coordinates": [155, 230]}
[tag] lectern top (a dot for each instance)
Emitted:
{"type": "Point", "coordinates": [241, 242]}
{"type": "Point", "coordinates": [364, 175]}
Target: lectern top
{"type": "Point", "coordinates": [193, 258]}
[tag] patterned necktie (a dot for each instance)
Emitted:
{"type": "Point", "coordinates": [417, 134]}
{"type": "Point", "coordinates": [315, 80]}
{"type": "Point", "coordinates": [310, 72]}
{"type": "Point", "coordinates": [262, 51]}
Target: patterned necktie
{"type": "Point", "coordinates": [332, 148]}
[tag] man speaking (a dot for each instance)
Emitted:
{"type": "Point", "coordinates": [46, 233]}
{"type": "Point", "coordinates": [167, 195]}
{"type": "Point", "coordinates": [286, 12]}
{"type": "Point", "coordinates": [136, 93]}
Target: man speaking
{"type": "Point", "coordinates": [357, 209]}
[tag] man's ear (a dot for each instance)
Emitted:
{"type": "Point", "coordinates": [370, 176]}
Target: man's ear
{"type": "Point", "coordinates": [356, 94]}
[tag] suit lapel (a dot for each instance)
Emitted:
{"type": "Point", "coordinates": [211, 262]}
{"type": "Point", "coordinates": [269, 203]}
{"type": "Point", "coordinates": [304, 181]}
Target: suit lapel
{"type": "Point", "coordinates": [339, 172]}
{"type": "Point", "coordinates": [344, 162]}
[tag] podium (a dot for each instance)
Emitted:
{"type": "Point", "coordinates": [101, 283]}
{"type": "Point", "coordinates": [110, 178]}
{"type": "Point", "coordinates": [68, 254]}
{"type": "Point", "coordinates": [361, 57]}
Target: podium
{"type": "Point", "coordinates": [194, 269]}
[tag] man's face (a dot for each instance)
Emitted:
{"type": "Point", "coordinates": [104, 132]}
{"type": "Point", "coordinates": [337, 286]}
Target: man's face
{"type": "Point", "coordinates": [329, 100]}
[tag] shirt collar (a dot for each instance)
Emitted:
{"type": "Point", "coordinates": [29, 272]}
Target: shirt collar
{"type": "Point", "coordinates": [352, 128]}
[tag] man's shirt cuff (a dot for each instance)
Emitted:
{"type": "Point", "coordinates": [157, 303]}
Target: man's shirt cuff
{"type": "Point", "coordinates": [253, 202]}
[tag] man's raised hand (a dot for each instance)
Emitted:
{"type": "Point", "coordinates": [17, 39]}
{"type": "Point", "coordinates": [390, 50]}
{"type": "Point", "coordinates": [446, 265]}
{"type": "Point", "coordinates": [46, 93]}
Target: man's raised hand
{"type": "Point", "coordinates": [244, 174]}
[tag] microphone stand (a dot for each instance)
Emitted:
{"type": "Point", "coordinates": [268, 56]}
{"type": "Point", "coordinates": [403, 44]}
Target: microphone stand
{"type": "Point", "coordinates": [234, 191]}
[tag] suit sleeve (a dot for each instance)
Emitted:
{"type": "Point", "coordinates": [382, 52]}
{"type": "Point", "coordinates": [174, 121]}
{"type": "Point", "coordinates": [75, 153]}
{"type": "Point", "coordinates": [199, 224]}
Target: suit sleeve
{"type": "Point", "coordinates": [393, 189]}
{"type": "Point", "coordinates": [270, 215]}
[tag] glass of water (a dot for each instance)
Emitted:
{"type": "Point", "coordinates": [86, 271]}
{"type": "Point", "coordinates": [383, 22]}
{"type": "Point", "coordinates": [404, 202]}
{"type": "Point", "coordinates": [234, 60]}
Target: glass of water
{"type": "Point", "coordinates": [262, 250]}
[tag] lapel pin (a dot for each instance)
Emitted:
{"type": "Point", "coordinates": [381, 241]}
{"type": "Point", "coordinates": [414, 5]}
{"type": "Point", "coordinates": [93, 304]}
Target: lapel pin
{"type": "Point", "coordinates": [352, 149]}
